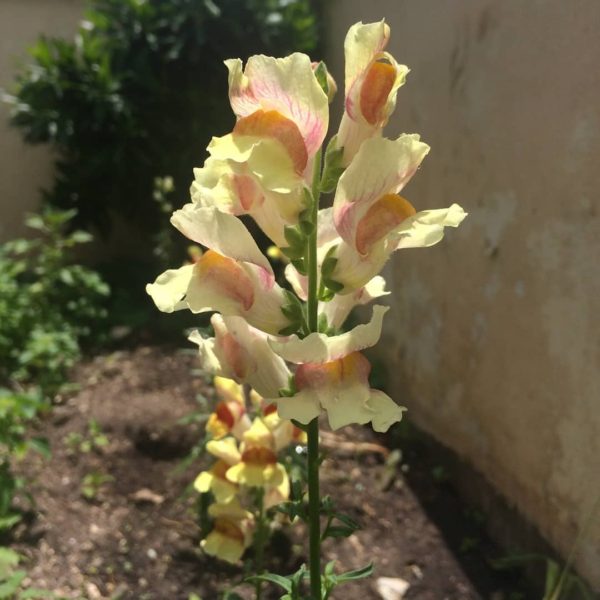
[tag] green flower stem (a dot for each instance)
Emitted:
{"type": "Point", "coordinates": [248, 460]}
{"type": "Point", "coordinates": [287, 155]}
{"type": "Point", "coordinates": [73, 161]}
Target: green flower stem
{"type": "Point", "coordinates": [259, 541]}
{"type": "Point", "coordinates": [314, 505]}
{"type": "Point", "coordinates": [312, 431]}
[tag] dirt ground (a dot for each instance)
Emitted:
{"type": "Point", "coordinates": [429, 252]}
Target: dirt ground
{"type": "Point", "coordinates": [136, 535]}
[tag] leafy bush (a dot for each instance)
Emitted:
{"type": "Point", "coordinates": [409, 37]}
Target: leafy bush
{"type": "Point", "coordinates": [48, 307]}
{"type": "Point", "coordinates": [17, 409]}
{"type": "Point", "coordinates": [138, 93]}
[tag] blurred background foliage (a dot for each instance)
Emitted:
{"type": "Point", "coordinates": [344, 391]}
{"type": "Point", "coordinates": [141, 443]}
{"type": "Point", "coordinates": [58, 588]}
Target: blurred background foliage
{"type": "Point", "coordinates": [129, 107]}
{"type": "Point", "coordinates": [138, 94]}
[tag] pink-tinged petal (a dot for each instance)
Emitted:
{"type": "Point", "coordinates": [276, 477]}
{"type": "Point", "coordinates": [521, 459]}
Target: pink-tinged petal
{"type": "Point", "coordinates": [382, 217]}
{"type": "Point", "coordinates": [267, 373]}
{"type": "Point", "coordinates": [230, 187]}
{"type": "Point", "coordinates": [298, 282]}
{"type": "Point", "coordinates": [266, 158]}
{"type": "Point", "coordinates": [341, 388]}
{"type": "Point", "coordinates": [353, 270]}
{"type": "Point", "coordinates": [353, 367]}
{"type": "Point", "coordinates": [221, 232]}
{"type": "Point", "coordinates": [338, 309]}
{"type": "Point", "coordinates": [234, 288]}
{"type": "Point", "coordinates": [363, 43]}
{"type": "Point", "coordinates": [381, 167]}
{"type": "Point", "coordinates": [265, 313]}
{"type": "Point", "coordinates": [286, 85]}
{"type": "Point", "coordinates": [219, 283]}
{"type": "Point", "coordinates": [272, 124]}
{"type": "Point", "coordinates": [170, 288]}
{"type": "Point", "coordinates": [373, 78]}
{"type": "Point", "coordinates": [319, 348]}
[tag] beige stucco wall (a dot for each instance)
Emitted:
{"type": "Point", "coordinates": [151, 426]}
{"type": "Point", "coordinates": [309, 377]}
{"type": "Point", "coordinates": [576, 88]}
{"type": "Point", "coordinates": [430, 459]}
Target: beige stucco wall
{"type": "Point", "coordinates": [25, 169]}
{"type": "Point", "coordinates": [494, 337]}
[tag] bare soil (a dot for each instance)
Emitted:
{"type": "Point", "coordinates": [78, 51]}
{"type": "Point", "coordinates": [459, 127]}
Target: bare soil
{"type": "Point", "coordinates": [137, 536]}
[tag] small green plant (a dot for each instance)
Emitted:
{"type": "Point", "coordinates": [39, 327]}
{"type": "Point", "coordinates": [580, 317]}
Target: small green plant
{"type": "Point", "coordinates": [93, 440]}
{"type": "Point", "coordinates": [49, 307]}
{"type": "Point", "coordinates": [17, 410]}
{"type": "Point", "coordinates": [560, 583]}
{"type": "Point", "coordinates": [12, 577]}
{"type": "Point", "coordinates": [92, 483]}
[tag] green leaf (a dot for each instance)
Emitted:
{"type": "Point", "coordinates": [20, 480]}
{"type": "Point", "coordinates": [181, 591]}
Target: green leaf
{"type": "Point", "coordinates": [290, 329]}
{"type": "Point", "coordinates": [40, 445]}
{"type": "Point", "coordinates": [11, 585]}
{"type": "Point", "coordinates": [321, 75]}
{"type": "Point", "coordinates": [9, 521]}
{"type": "Point", "coordinates": [8, 560]}
{"type": "Point", "coordinates": [328, 266]}
{"type": "Point", "coordinates": [333, 168]}
{"type": "Point", "coordinates": [334, 286]}
{"type": "Point", "coordinates": [294, 237]}
{"type": "Point", "coordinates": [355, 574]}
{"type": "Point", "coordinates": [293, 253]}
{"type": "Point", "coordinates": [35, 593]}
{"type": "Point", "coordinates": [552, 577]}
{"type": "Point", "coordinates": [283, 582]}
{"type": "Point", "coordinates": [300, 265]}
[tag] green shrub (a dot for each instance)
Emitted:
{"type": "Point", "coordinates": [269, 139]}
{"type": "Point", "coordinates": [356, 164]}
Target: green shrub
{"type": "Point", "coordinates": [17, 410]}
{"type": "Point", "coordinates": [138, 93]}
{"type": "Point", "coordinates": [48, 306]}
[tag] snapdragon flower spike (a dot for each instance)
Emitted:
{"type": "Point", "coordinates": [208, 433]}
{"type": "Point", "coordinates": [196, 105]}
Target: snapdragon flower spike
{"type": "Point", "coordinates": [230, 415]}
{"type": "Point", "coordinates": [232, 531]}
{"type": "Point", "coordinates": [215, 479]}
{"type": "Point", "coordinates": [370, 216]}
{"type": "Point", "coordinates": [283, 115]}
{"type": "Point", "coordinates": [341, 388]}
{"type": "Point", "coordinates": [372, 80]}
{"type": "Point", "coordinates": [233, 277]}
{"type": "Point", "coordinates": [242, 353]}
{"type": "Point", "coordinates": [258, 466]}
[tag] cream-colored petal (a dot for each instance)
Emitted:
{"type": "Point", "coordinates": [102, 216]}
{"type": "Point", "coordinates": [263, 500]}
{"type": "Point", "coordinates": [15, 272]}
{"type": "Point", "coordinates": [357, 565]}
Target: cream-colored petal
{"type": "Point", "coordinates": [347, 405]}
{"type": "Point", "coordinates": [353, 270]}
{"type": "Point", "coordinates": [426, 228]}
{"type": "Point", "coordinates": [319, 348]}
{"type": "Point", "coordinates": [364, 41]}
{"type": "Point", "coordinates": [338, 309]}
{"type": "Point", "coordinates": [287, 85]}
{"type": "Point", "coordinates": [381, 167]}
{"type": "Point", "coordinates": [221, 232]}
{"type": "Point", "coordinates": [266, 158]}
{"type": "Point", "coordinates": [385, 411]}
{"type": "Point", "coordinates": [206, 350]}
{"type": "Point", "coordinates": [265, 313]}
{"type": "Point", "coordinates": [298, 282]}
{"type": "Point", "coordinates": [303, 407]}
{"type": "Point", "coordinates": [170, 288]}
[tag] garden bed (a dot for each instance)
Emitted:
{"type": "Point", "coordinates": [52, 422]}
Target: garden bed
{"type": "Point", "coordinates": [135, 535]}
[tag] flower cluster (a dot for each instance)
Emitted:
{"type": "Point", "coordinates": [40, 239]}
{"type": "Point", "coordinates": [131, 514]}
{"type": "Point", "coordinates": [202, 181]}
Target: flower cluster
{"type": "Point", "coordinates": [246, 452]}
{"type": "Point", "coordinates": [269, 167]}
